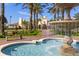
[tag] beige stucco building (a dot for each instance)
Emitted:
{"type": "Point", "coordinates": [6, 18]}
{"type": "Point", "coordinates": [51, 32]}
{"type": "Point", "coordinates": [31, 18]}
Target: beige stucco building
{"type": "Point", "coordinates": [43, 23]}
{"type": "Point", "coordinates": [20, 22]}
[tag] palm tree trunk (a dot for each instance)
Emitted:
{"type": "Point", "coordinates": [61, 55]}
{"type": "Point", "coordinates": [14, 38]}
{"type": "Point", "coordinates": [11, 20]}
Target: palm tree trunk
{"type": "Point", "coordinates": [31, 12]}
{"type": "Point", "coordinates": [2, 19]}
{"type": "Point", "coordinates": [34, 20]}
{"type": "Point", "coordinates": [37, 20]}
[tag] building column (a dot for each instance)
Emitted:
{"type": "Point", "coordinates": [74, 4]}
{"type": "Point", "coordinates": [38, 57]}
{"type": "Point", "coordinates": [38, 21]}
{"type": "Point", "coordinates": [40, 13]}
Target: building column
{"type": "Point", "coordinates": [68, 13]}
{"type": "Point", "coordinates": [62, 11]}
{"type": "Point", "coordinates": [54, 16]}
{"type": "Point", "coordinates": [58, 13]}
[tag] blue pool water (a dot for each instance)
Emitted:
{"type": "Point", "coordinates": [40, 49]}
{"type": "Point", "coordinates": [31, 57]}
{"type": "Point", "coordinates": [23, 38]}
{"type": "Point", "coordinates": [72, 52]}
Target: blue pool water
{"type": "Point", "coordinates": [45, 48]}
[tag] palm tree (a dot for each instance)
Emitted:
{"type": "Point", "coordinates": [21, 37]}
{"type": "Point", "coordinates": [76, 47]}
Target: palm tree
{"type": "Point", "coordinates": [30, 6]}
{"type": "Point", "coordinates": [34, 12]}
{"type": "Point", "coordinates": [37, 10]}
{"type": "Point", "coordinates": [2, 19]}
{"type": "Point", "coordinates": [55, 11]}
{"type": "Point", "coordinates": [25, 24]}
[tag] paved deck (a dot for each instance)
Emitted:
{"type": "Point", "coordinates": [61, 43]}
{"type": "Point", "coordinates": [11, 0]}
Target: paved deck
{"type": "Point", "coordinates": [45, 33]}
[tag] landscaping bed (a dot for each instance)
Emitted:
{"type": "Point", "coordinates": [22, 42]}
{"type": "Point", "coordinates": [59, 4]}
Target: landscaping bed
{"type": "Point", "coordinates": [20, 33]}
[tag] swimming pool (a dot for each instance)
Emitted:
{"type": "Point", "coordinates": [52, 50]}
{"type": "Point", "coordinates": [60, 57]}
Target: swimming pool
{"type": "Point", "coordinates": [48, 47]}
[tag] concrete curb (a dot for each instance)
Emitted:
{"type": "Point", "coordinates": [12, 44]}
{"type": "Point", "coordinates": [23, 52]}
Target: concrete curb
{"type": "Point", "coordinates": [33, 41]}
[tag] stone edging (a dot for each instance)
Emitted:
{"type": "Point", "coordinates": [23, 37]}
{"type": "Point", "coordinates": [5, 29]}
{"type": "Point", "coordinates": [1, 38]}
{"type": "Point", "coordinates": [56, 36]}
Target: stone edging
{"type": "Point", "coordinates": [33, 41]}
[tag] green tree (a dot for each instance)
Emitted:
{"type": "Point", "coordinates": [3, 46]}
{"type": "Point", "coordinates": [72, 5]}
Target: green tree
{"type": "Point", "coordinates": [37, 9]}
{"type": "Point", "coordinates": [25, 23]}
{"type": "Point", "coordinates": [30, 7]}
{"type": "Point", "coordinates": [2, 20]}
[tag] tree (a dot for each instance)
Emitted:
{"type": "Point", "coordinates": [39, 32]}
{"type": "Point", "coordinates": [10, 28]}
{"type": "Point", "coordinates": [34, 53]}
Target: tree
{"type": "Point", "coordinates": [25, 24]}
{"type": "Point", "coordinates": [37, 10]}
{"type": "Point", "coordinates": [34, 13]}
{"type": "Point", "coordinates": [2, 19]}
{"type": "Point", "coordinates": [30, 6]}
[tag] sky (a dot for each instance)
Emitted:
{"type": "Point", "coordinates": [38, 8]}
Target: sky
{"type": "Point", "coordinates": [17, 12]}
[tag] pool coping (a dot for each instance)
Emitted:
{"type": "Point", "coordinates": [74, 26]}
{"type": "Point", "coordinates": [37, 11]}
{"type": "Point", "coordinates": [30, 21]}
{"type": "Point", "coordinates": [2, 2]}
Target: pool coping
{"type": "Point", "coordinates": [33, 41]}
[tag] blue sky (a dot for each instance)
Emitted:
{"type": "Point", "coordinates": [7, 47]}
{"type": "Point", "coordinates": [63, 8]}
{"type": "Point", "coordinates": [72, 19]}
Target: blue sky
{"type": "Point", "coordinates": [16, 12]}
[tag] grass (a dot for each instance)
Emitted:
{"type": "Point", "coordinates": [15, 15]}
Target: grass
{"type": "Point", "coordinates": [28, 33]}
{"type": "Point", "coordinates": [12, 34]}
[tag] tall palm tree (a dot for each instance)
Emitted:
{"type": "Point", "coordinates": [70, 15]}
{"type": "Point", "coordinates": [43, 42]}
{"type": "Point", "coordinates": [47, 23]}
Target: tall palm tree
{"type": "Point", "coordinates": [34, 13]}
{"type": "Point", "coordinates": [30, 6]}
{"type": "Point", "coordinates": [54, 10]}
{"type": "Point", "coordinates": [37, 11]}
{"type": "Point", "coordinates": [36, 8]}
{"type": "Point", "coordinates": [31, 12]}
{"type": "Point", "coordinates": [2, 19]}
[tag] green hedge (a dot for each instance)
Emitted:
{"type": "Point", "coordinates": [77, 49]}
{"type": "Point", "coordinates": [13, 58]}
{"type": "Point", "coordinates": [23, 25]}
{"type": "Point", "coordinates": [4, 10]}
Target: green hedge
{"type": "Point", "coordinates": [2, 36]}
{"type": "Point", "coordinates": [28, 33]}
{"type": "Point", "coordinates": [75, 34]}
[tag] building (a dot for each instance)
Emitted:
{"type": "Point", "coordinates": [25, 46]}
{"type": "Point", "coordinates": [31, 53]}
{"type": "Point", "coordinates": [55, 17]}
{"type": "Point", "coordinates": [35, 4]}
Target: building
{"type": "Point", "coordinates": [20, 22]}
{"type": "Point", "coordinates": [23, 23]}
{"type": "Point", "coordinates": [15, 25]}
{"type": "Point", "coordinates": [43, 22]}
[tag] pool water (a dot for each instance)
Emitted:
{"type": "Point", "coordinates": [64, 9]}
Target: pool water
{"type": "Point", "coordinates": [45, 48]}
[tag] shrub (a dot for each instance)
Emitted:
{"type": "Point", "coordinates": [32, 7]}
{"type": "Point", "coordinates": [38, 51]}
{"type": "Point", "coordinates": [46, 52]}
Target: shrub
{"type": "Point", "coordinates": [75, 34]}
{"type": "Point", "coordinates": [2, 36]}
{"type": "Point", "coordinates": [28, 33]}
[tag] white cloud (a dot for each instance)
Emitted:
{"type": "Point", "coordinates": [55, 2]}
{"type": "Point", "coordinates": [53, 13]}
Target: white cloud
{"type": "Point", "coordinates": [23, 13]}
